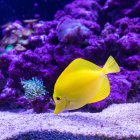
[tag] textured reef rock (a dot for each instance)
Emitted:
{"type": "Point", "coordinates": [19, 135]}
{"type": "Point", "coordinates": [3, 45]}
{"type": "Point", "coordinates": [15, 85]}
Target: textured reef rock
{"type": "Point", "coordinates": [89, 29]}
{"type": "Point", "coordinates": [109, 124]}
{"type": "Point", "coordinates": [71, 30]}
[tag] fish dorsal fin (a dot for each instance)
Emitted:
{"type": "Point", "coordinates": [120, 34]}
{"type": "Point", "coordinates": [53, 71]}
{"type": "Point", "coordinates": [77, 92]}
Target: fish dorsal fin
{"type": "Point", "coordinates": [103, 92]}
{"type": "Point", "coordinates": [80, 64]}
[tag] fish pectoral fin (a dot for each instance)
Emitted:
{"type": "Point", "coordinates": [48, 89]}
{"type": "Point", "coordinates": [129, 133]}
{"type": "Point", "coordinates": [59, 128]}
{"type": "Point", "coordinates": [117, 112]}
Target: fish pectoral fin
{"type": "Point", "coordinates": [103, 91]}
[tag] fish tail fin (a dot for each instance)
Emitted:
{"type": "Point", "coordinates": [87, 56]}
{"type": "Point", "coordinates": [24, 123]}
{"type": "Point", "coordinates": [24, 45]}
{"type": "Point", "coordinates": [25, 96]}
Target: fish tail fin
{"type": "Point", "coordinates": [111, 66]}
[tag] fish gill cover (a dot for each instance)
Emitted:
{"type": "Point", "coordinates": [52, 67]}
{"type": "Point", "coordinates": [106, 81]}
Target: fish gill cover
{"type": "Point", "coordinates": [90, 29]}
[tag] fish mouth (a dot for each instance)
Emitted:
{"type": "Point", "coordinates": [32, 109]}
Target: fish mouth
{"type": "Point", "coordinates": [59, 107]}
{"type": "Point", "coordinates": [57, 111]}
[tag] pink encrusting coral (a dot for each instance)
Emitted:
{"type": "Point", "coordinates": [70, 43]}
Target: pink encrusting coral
{"type": "Point", "coordinates": [88, 29]}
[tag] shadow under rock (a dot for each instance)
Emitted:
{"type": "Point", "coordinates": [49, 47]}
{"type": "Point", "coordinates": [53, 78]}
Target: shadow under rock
{"type": "Point", "coordinates": [53, 135]}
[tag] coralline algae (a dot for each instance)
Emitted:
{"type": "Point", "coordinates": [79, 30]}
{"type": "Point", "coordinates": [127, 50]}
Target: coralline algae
{"type": "Point", "coordinates": [43, 49]}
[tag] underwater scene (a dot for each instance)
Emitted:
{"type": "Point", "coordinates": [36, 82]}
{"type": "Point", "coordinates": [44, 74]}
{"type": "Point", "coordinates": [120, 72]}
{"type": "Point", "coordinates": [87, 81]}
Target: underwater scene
{"type": "Point", "coordinates": [70, 70]}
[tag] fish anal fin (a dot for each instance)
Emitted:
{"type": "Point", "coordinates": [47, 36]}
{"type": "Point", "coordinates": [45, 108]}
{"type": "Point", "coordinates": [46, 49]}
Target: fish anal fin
{"type": "Point", "coordinates": [103, 91]}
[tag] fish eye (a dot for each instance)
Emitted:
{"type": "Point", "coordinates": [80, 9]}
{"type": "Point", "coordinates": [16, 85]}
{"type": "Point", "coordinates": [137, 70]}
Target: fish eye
{"type": "Point", "coordinates": [57, 98]}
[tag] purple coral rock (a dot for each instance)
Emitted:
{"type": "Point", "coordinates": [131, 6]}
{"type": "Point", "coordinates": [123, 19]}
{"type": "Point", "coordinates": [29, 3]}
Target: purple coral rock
{"type": "Point", "coordinates": [134, 10]}
{"type": "Point", "coordinates": [130, 43]}
{"type": "Point", "coordinates": [126, 25]}
{"type": "Point", "coordinates": [88, 29]}
{"type": "Point", "coordinates": [133, 61]}
{"type": "Point", "coordinates": [79, 9]}
{"type": "Point", "coordinates": [2, 81]}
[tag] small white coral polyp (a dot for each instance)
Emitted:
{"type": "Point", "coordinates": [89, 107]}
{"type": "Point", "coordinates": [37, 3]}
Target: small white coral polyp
{"type": "Point", "coordinates": [72, 30]}
{"type": "Point", "coordinates": [33, 88]}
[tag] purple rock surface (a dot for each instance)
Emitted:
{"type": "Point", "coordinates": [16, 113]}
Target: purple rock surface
{"type": "Point", "coordinates": [90, 29]}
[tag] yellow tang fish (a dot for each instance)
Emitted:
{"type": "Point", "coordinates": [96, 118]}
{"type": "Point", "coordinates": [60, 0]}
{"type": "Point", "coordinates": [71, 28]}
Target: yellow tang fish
{"type": "Point", "coordinates": [81, 83]}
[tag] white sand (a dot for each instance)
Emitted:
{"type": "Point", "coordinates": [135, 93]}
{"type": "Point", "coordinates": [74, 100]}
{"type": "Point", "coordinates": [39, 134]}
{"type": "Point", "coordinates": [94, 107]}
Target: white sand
{"type": "Point", "coordinates": [117, 121]}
